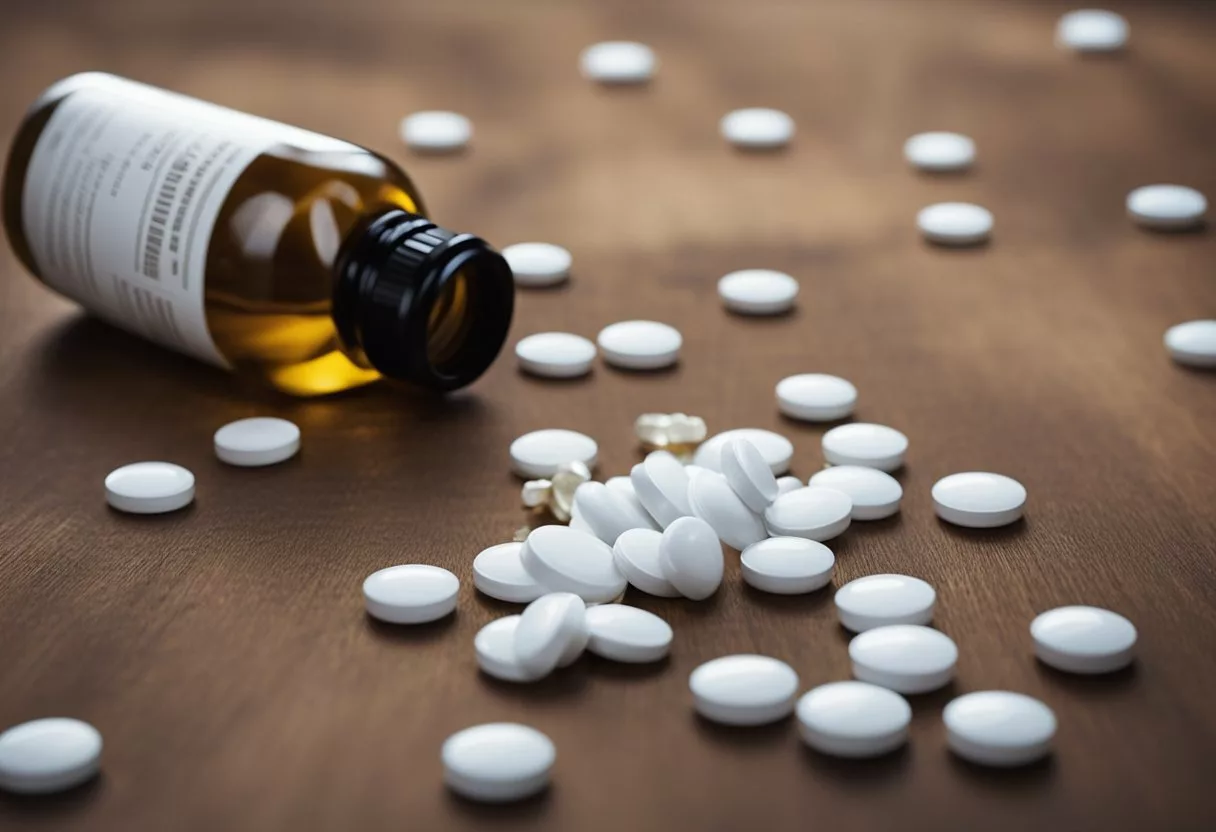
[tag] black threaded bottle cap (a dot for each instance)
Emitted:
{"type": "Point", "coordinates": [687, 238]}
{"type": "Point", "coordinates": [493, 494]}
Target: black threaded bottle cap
{"type": "Point", "coordinates": [421, 303]}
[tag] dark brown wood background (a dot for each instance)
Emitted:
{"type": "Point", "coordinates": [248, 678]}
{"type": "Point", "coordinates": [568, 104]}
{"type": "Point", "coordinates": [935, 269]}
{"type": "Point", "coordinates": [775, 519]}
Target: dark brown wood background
{"type": "Point", "coordinates": [223, 651]}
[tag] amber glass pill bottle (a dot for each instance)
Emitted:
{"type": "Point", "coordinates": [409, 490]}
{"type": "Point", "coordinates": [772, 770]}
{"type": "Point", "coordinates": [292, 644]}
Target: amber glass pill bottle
{"type": "Point", "coordinates": [266, 249]}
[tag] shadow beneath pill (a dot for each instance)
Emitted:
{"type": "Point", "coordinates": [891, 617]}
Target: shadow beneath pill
{"type": "Point", "coordinates": [1184, 231]}
{"type": "Point", "coordinates": [857, 774]}
{"type": "Point", "coordinates": [539, 381]}
{"type": "Point", "coordinates": [815, 427]}
{"type": "Point", "coordinates": [773, 151]}
{"type": "Point", "coordinates": [946, 175]}
{"type": "Point", "coordinates": [1207, 373]}
{"type": "Point", "coordinates": [759, 319]}
{"type": "Point", "coordinates": [1094, 687]}
{"type": "Point", "coordinates": [625, 671]}
{"type": "Point", "coordinates": [166, 519]}
{"type": "Point", "coordinates": [744, 736]}
{"type": "Point", "coordinates": [789, 605]}
{"type": "Point", "coordinates": [1012, 779]}
{"type": "Point", "coordinates": [563, 683]}
{"type": "Point", "coordinates": [528, 809]}
{"type": "Point", "coordinates": [1000, 534]}
{"type": "Point", "coordinates": [52, 807]}
{"type": "Point", "coordinates": [410, 633]}
{"type": "Point", "coordinates": [962, 249]}
{"type": "Point", "coordinates": [861, 528]}
{"type": "Point", "coordinates": [928, 706]}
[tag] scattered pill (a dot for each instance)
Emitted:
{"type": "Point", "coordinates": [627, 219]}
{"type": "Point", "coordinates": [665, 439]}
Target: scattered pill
{"type": "Point", "coordinates": [853, 719]}
{"type": "Point", "coordinates": [537, 265]}
{"type": "Point", "coordinates": [757, 128]}
{"type": "Point", "coordinates": [568, 560]}
{"type": "Point", "coordinates": [258, 441]}
{"type": "Point", "coordinates": [787, 484]}
{"type": "Point", "coordinates": [882, 600]}
{"type": "Point", "coordinates": [627, 634]}
{"type": "Point", "coordinates": [149, 488]}
{"type": "Point", "coordinates": [436, 131]}
{"type": "Point", "coordinates": [787, 565]}
{"type": "Point", "coordinates": [675, 432]}
{"type": "Point", "coordinates": [744, 689]}
{"type": "Point", "coordinates": [536, 493]}
{"type": "Point", "coordinates": [661, 483]}
{"type": "Point", "coordinates": [713, 500]}
{"type": "Point", "coordinates": [999, 728]}
{"type": "Point", "coordinates": [1193, 343]}
{"type": "Point", "coordinates": [618, 62]}
{"type": "Point", "coordinates": [494, 645]}
{"type": "Point", "coordinates": [497, 762]}
{"type": "Point", "coordinates": [862, 443]}
{"type": "Point", "coordinates": [551, 629]}
{"type": "Point", "coordinates": [816, 397]}
{"type": "Point", "coordinates": [1167, 207]}
{"type": "Point", "coordinates": [555, 355]}
{"type": "Point", "coordinates": [939, 151]}
{"type": "Point", "coordinates": [1082, 639]}
{"type": "Point", "coordinates": [639, 518]}
{"type": "Point", "coordinates": [955, 223]}
{"type": "Point", "coordinates": [605, 514]}
{"type": "Point", "coordinates": [636, 555]}
{"type": "Point", "coordinates": [499, 573]}
{"type": "Point", "coordinates": [749, 475]}
{"type": "Point", "coordinates": [814, 513]}
{"type": "Point", "coordinates": [48, 755]}
{"type": "Point", "coordinates": [1091, 30]}
{"type": "Point", "coordinates": [691, 558]}
{"type": "Point", "coordinates": [541, 452]}
{"type": "Point", "coordinates": [775, 448]}
{"type": "Point", "coordinates": [979, 500]}
{"type": "Point", "coordinates": [758, 292]}
{"type": "Point", "coordinates": [875, 494]}
{"type": "Point", "coordinates": [413, 593]}
{"type": "Point", "coordinates": [640, 345]}
{"type": "Point", "coordinates": [907, 658]}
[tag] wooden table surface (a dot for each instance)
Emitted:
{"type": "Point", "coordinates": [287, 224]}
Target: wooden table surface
{"type": "Point", "coordinates": [223, 651]}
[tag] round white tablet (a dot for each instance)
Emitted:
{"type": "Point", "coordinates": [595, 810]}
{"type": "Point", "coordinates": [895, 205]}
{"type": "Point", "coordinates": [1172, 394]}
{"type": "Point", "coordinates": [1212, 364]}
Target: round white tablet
{"type": "Point", "coordinates": [551, 628]}
{"type": "Point", "coordinates": [627, 634]}
{"type": "Point", "coordinates": [861, 443]}
{"type": "Point", "coordinates": [906, 658]}
{"type": "Point", "coordinates": [955, 223]}
{"type": "Point", "coordinates": [636, 554]}
{"type": "Point", "coordinates": [497, 762]}
{"type": "Point", "coordinates": [538, 264]}
{"type": "Point", "coordinates": [775, 448]}
{"type": "Point", "coordinates": [748, 474]}
{"type": "Point", "coordinates": [787, 565]}
{"type": "Point", "coordinates": [758, 292]}
{"type": "Point", "coordinates": [939, 151]}
{"type": "Point", "coordinates": [880, 600]}
{"type": "Point", "coordinates": [618, 62]}
{"type": "Point", "coordinates": [48, 755]}
{"type": "Point", "coordinates": [712, 500]}
{"type": "Point", "coordinates": [1091, 30]}
{"type": "Point", "coordinates": [853, 719]}
{"type": "Point", "coordinates": [499, 573]}
{"type": "Point", "coordinates": [1084, 639]}
{"type": "Point", "coordinates": [875, 494]}
{"type": "Point", "coordinates": [814, 513]}
{"type": "Point", "coordinates": [413, 593]}
{"type": "Point", "coordinates": [691, 558]}
{"type": "Point", "coordinates": [436, 131]}
{"type": "Point", "coordinates": [661, 483]}
{"type": "Point", "coordinates": [541, 452]}
{"type": "Point", "coordinates": [149, 488]}
{"type": "Point", "coordinates": [639, 517]}
{"type": "Point", "coordinates": [258, 441]}
{"type": "Point", "coordinates": [979, 500]}
{"type": "Point", "coordinates": [1167, 207]}
{"type": "Point", "coordinates": [787, 484]}
{"type": "Point", "coordinates": [1193, 343]}
{"type": "Point", "coordinates": [640, 345]}
{"type": "Point", "coordinates": [999, 728]}
{"type": "Point", "coordinates": [757, 128]}
{"type": "Point", "coordinates": [494, 645]}
{"type": "Point", "coordinates": [816, 397]}
{"type": "Point", "coordinates": [744, 689]}
{"type": "Point", "coordinates": [568, 560]}
{"type": "Point", "coordinates": [605, 514]}
{"type": "Point", "coordinates": [555, 355]}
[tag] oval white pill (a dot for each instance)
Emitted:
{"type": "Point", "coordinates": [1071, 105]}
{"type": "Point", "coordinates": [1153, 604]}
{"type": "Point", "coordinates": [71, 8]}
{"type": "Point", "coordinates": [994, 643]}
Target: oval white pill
{"type": "Point", "coordinates": [551, 628]}
{"type": "Point", "coordinates": [907, 658]}
{"type": "Point", "coordinates": [862, 443]}
{"type": "Point", "coordinates": [568, 560]}
{"type": "Point", "coordinates": [412, 593]}
{"type": "Point", "coordinates": [880, 600]}
{"type": "Point", "coordinates": [775, 448]}
{"type": "Point", "coordinates": [999, 728]}
{"type": "Point", "coordinates": [640, 345]}
{"type": "Point", "coordinates": [538, 264]}
{"type": "Point", "coordinates": [748, 474]}
{"type": "Point", "coordinates": [787, 565]}
{"type": "Point", "coordinates": [623, 488]}
{"type": "Point", "coordinates": [939, 151]}
{"type": "Point", "coordinates": [499, 573]}
{"type": "Point", "coordinates": [436, 131]}
{"type": "Point", "coordinates": [604, 513]}
{"type": "Point", "coordinates": [258, 441]}
{"type": "Point", "coordinates": [48, 755]}
{"type": "Point", "coordinates": [1193, 343]}
{"type": "Point", "coordinates": [814, 513]}
{"type": "Point", "coordinates": [494, 645]}
{"type": "Point", "coordinates": [1167, 207]}
{"type": "Point", "coordinates": [787, 484]}
{"type": "Point", "coordinates": [627, 634]}
{"type": "Point", "coordinates": [555, 355]}
{"type": "Point", "coordinates": [618, 62]}
{"type": "Point", "coordinates": [497, 762]}
{"type": "Point", "coordinates": [744, 689]}
{"type": "Point", "coordinates": [853, 719]}
{"type": "Point", "coordinates": [758, 292]}
{"type": "Point", "coordinates": [661, 483]}
{"type": "Point", "coordinates": [149, 488]}
{"type": "Point", "coordinates": [955, 223]}
{"type": "Point", "coordinates": [757, 128]}
{"type": "Point", "coordinates": [691, 557]}
{"type": "Point", "coordinates": [713, 500]}
{"type": "Point", "coordinates": [816, 397]}
{"type": "Point", "coordinates": [875, 494]}
{"type": "Point", "coordinates": [979, 500]}
{"type": "Point", "coordinates": [1091, 30]}
{"type": "Point", "coordinates": [1083, 639]}
{"type": "Point", "coordinates": [541, 452]}
{"type": "Point", "coordinates": [636, 554]}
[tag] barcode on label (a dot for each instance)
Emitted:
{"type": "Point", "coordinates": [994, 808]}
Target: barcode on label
{"type": "Point", "coordinates": [154, 238]}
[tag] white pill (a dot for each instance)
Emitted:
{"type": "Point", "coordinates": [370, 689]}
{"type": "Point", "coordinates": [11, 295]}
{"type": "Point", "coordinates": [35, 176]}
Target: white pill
{"type": "Point", "coordinates": [552, 630]}
{"type": "Point", "coordinates": [640, 345]}
{"type": "Point", "coordinates": [499, 573]}
{"type": "Point", "coordinates": [639, 518]}
{"type": "Point", "coordinates": [787, 484]}
{"type": "Point", "coordinates": [775, 448]}
{"type": "Point", "coordinates": [787, 565]}
{"type": "Point", "coordinates": [999, 728]}
{"type": "Point", "coordinates": [853, 719]}
{"type": "Point", "coordinates": [907, 658]}
{"type": "Point", "coordinates": [691, 558]}
{"type": "Point", "coordinates": [555, 355]}
{"type": "Point", "coordinates": [939, 151]}
{"type": "Point", "coordinates": [861, 443]}
{"type": "Point", "coordinates": [48, 755]}
{"type": "Point", "coordinates": [979, 500]}
{"type": "Point", "coordinates": [881, 600]}
{"type": "Point", "coordinates": [605, 514]}
{"type": "Point", "coordinates": [1193, 343]}
{"type": "Point", "coordinates": [744, 689]}
{"type": "Point", "coordinates": [1084, 639]}
{"type": "Point", "coordinates": [748, 474]}
{"type": "Point", "coordinates": [816, 397]}
{"type": "Point", "coordinates": [1091, 30]}
{"type": "Point", "coordinates": [875, 494]}
{"type": "Point", "coordinates": [538, 264]}
{"type": "Point", "coordinates": [413, 593]}
{"type": "Point", "coordinates": [255, 442]}
{"type": "Point", "coordinates": [568, 560]}
{"type": "Point", "coordinates": [713, 500]}
{"type": "Point", "coordinates": [618, 62]}
{"type": "Point", "coordinates": [497, 762]}
{"type": "Point", "coordinates": [814, 513]}
{"type": "Point", "coordinates": [627, 634]}
{"type": "Point", "coordinates": [1167, 207]}
{"type": "Point", "coordinates": [149, 488]}
{"type": "Point", "coordinates": [494, 645]}
{"type": "Point", "coordinates": [436, 131]}
{"type": "Point", "coordinates": [757, 128]}
{"type": "Point", "coordinates": [955, 223]}
{"type": "Point", "coordinates": [636, 554]}
{"type": "Point", "coordinates": [661, 483]}
{"type": "Point", "coordinates": [758, 292]}
{"type": "Point", "coordinates": [541, 452]}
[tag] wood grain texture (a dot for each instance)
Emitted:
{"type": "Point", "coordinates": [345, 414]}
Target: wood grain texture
{"type": "Point", "coordinates": [222, 651]}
